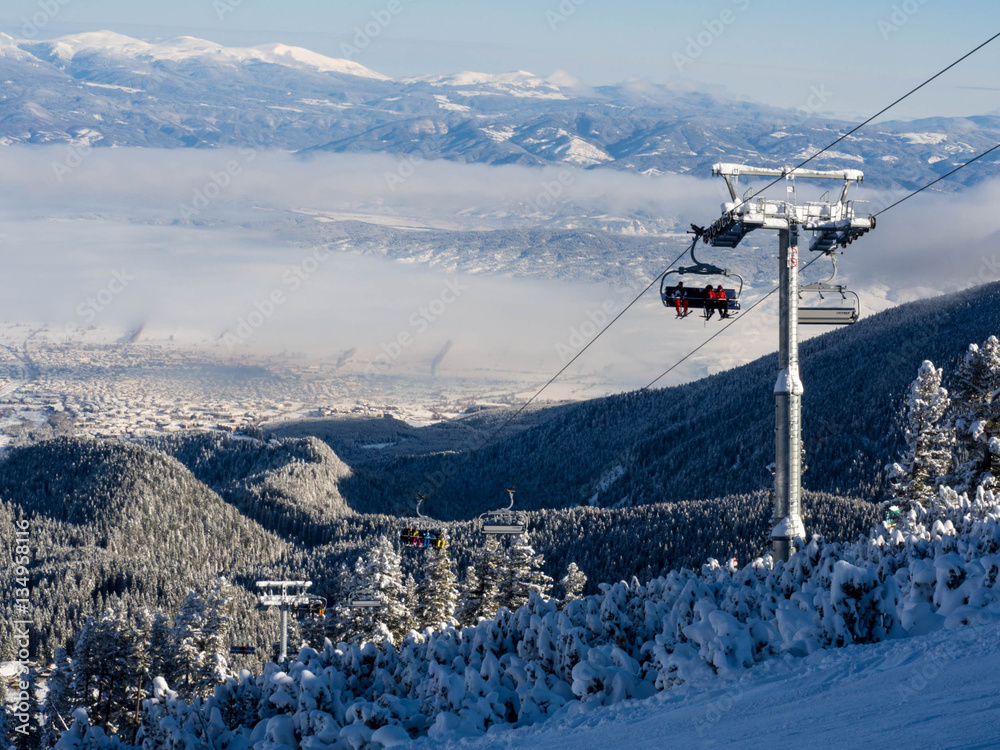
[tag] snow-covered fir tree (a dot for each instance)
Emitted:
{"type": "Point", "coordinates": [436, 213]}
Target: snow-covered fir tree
{"type": "Point", "coordinates": [161, 646]}
{"type": "Point", "coordinates": [437, 592]}
{"type": "Point", "coordinates": [976, 419]}
{"type": "Point", "coordinates": [522, 574]}
{"type": "Point", "coordinates": [380, 570]}
{"type": "Point", "coordinates": [201, 633]}
{"type": "Point", "coordinates": [410, 622]}
{"type": "Point", "coordinates": [928, 440]}
{"type": "Point", "coordinates": [481, 593]}
{"type": "Point", "coordinates": [215, 633]}
{"type": "Point", "coordinates": [188, 656]}
{"type": "Point", "coordinates": [338, 612]}
{"type": "Point", "coordinates": [58, 705]}
{"type": "Point", "coordinates": [104, 672]}
{"type": "Point", "coordinates": [573, 583]}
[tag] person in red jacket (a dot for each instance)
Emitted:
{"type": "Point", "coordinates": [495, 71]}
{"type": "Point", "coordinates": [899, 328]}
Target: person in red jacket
{"type": "Point", "coordinates": [680, 297]}
{"type": "Point", "coordinates": [721, 302]}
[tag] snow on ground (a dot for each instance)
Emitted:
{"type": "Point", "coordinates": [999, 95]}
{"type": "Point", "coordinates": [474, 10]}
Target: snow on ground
{"type": "Point", "coordinates": [930, 139]}
{"type": "Point", "coordinates": [445, 103]}
{"type": "Point", "coordinates": [935, 691]}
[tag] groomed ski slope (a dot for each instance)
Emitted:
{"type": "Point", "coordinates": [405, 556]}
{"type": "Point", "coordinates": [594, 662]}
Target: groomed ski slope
{"type": "Point", "coordinates": [940, 690]}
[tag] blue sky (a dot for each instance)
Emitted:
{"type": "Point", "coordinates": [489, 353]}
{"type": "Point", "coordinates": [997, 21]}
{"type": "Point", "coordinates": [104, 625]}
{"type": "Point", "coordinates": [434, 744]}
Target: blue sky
{"type": "Point", "coordinates": [861, 53]}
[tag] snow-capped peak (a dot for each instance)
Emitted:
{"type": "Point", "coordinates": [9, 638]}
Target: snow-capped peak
{"type": "Point", "coordinates": [187, 47]}
{"type": "Point", "coordinates": [283, 54]}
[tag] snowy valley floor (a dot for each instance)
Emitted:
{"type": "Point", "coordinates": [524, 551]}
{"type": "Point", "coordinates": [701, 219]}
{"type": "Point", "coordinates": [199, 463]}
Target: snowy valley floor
{"type": "Point", "coordinates": [935, 691]}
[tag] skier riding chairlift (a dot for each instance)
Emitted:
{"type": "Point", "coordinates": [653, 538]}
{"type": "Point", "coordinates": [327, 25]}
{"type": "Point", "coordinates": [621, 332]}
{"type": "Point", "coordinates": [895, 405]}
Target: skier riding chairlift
{"type": "Point", "coordinates": [709, 295]}
{"type": "Point", "coordinates": [721, 301]}
{"type": "Point", "coordinates": [680, 295]}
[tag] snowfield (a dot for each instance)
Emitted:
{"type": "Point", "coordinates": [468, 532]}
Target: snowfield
{"type": "Point", "coordinates": [937, 691]}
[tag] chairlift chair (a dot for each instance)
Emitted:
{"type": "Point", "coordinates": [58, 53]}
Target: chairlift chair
{"type": "Point", "coordinates": [838, 315]}
{"type": "Point", "coordinates": [314, 607]}
{"type": "Point", "coordinates": [365, 598]}
{"type": "Point", "coordinates": [503, 522]}
{"type": "Point", "coordinates": [421, 536]}
{"type": "Point", "coordinates": [695, 296]}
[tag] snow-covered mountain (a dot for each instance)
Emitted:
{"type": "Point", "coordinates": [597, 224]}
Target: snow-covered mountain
{"type": "Point", "coordinates": [107, 89]}
{"type": "Point", "coordinates": [63, 51]}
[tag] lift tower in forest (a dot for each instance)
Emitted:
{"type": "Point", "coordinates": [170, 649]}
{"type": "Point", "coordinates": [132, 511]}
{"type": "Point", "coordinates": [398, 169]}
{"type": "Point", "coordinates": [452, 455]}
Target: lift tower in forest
{"type": "Point", "coordinates": [833, 224]}
{"type": "Point", "coordinates": [284, 595]}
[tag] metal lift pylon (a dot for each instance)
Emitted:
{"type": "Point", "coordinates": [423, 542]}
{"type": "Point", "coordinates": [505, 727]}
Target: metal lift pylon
{"type": "Point", "coordinates": [284, 595]}
{"type": "Point", "coordinates": [832, 224]}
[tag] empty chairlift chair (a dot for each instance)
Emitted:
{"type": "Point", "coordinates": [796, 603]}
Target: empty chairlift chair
{"type": "Point", "coordinates": [365, 598]}
{"type": "Point", "coordinates": [844, 310]}
{"type": "Point", "coordinates": [503, 522]}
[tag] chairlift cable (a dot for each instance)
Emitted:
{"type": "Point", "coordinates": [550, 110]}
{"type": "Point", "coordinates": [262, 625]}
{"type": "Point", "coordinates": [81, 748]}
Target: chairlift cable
{"type": "Point", "coordinates": [948, 174]}
{"type": "Point", "coordinates": [551, 380]}
{"type": "Point", "coordinates": [882, 111]}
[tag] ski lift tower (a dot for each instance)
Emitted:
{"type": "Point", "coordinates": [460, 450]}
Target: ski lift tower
{"type": "Point", "coordinates": [833, 224]}
{"type": "Point", "coordinates": [284, 595]}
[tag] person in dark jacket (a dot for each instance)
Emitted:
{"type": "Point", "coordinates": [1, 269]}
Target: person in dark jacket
{"type": "Point", "coordinates": [721, 302]}
{"type": "Point", "coordinates": [709, 295]}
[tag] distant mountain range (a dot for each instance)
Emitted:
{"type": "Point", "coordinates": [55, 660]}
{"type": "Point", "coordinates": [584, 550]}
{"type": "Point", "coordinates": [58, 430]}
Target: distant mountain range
{"type": "Point", "coordinates": [104, 89]}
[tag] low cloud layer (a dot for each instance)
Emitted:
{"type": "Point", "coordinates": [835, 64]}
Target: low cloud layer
{"type": "Point", "coordinates": [122, 239]}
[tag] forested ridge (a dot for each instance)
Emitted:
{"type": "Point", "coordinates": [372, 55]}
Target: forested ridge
{"type": "Point", "coordinates": [120, 524]}
{"type": "Point", "coordinates": [710, 438]}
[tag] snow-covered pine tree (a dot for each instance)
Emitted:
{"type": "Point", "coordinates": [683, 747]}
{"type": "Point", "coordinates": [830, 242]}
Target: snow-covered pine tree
{"type": "Point", "coordinates": [523, 574]}
{"type": "Point", "coordinates": [410, 585]}
{"type": "Point", "coordinates": [188, 656]}
{"type": "Point", "coordinates": [58, 705]}
{"type": "Point", "coordinates": [215, 637]}
{"type": "Point", "coordinates": [928, 441]}
{"type": "Point", "coordinates": [437, 592]}
{"type": "Point", "coordinates": [573, 583]}
{"type": "Point", "coordinates": [102, 670]}
{"type": "Point", "coordinates": [338, 613]}
{"type": "Point", "coordinates": [467, 601]}
{"type": "Point", "coordinates": [139, 661]}
{"type": "Point", "coordinates": [976, 405]}
{"type": "Point", "coordinates": [161, 647]}
{"type": "Point", "coordinates": [480, 595]}
{"type": "Point", "coordinates": [380, 569]}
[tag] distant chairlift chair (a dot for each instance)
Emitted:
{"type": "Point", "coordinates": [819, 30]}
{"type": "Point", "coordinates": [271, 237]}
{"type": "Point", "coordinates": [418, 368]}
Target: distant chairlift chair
{"type": "Point", "coordinates": [503, 522]}
{"type": "Point", "coordinates": [365, 598]}
{"type": "Point", "coordinates": [421, 536]}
